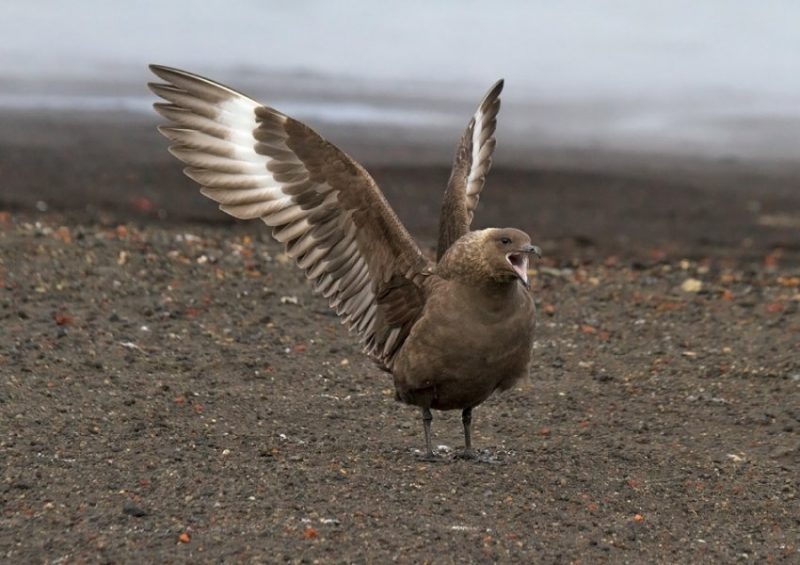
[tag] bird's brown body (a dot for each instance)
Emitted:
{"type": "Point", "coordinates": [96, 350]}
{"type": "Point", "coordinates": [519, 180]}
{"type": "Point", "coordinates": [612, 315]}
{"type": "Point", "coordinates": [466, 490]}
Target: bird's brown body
{"type": "Point", "coordinates": [469, 342]}
{"type": "Point", "coordinates": [452, 331]}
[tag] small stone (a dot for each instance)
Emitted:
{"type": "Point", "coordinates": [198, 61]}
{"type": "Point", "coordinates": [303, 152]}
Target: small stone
{"type": "Point", "coordinates": [133, 510]}
{"type": "Point", "coordinates": [692, 285]}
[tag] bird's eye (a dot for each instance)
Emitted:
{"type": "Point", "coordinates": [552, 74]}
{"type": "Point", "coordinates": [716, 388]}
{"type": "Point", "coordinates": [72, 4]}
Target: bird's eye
{"type": "Point", "coordinates": [505, 240]}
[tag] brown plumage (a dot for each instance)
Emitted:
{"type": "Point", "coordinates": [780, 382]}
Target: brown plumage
{"type": "Point", "coordinates": [450, 332]}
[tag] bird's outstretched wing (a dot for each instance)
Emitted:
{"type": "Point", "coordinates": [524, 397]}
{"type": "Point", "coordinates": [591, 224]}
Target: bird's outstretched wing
{"type": "Point", "coordinates": [471, 164]}
{"type": "Point", "coordinates": [332, 217]}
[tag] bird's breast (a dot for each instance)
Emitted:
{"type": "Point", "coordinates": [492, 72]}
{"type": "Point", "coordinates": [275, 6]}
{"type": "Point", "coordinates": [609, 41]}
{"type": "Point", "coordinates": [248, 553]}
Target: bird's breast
{"type": "Point", "coordinates": [467, 339]}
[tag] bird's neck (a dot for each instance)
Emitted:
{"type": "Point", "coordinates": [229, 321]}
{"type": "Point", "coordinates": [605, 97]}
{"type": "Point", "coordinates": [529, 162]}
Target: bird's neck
{"type": "Point", "coordinates": [489, 290]}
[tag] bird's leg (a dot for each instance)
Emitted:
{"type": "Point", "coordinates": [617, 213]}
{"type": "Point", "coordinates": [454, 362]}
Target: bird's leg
{"type": "Point", "coordinates": [427, 418]}
{"type": "Point", "coordinates": [466, 419]}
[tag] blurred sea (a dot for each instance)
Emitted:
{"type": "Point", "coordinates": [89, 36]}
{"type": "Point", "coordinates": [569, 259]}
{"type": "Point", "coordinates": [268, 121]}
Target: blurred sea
{"type": "Point", "coordinates": [718, 78]}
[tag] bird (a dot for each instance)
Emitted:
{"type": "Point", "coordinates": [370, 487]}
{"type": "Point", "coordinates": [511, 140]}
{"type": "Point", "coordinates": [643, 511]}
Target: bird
{"type": "Point", "coordinates": [450, 331]}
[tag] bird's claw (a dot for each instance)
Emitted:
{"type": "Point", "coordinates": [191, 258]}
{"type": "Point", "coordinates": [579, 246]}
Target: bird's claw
{"type": "Point", "coordinates": [429, 457]}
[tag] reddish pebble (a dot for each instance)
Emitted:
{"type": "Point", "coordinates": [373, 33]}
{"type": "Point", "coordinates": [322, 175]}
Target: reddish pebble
{"type": "Point", "coordinates": [775, 307]}
{"type": "Point", "coordinates": [62, 319]}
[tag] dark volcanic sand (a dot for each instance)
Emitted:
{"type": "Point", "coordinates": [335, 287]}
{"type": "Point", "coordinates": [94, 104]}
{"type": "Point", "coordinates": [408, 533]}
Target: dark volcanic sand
{"type": "Point", "coordinates": [163, 398]}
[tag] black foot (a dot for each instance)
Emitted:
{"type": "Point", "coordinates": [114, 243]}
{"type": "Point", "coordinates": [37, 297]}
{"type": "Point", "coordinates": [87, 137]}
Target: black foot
{"type": "Point", "coordinates": [467, 455]}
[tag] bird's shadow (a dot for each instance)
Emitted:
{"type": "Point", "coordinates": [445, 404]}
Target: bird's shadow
{"type": "Point", "coordinates": [445, 454]}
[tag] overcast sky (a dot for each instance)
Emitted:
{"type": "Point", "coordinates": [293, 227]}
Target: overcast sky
{"type": "Point", "coordinates": [565, 47]}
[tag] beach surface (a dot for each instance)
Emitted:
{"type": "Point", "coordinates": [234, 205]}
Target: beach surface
{"type": "Point", "coordinates": [171, 390]}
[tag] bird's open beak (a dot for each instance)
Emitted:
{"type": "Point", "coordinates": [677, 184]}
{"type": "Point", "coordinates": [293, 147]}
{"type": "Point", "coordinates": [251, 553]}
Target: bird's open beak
{"type": "Point", "coordinates": [519, 262]}
{"type": "Point", "coordinates": [535, 249]}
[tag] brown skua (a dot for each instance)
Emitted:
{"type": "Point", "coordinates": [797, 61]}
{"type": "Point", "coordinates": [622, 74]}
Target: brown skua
{"type": "Point", "coordinates": [451, 332]}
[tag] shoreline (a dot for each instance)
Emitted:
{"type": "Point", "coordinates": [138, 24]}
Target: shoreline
{"type": "Point", "coordinates": [710, 124]}
{"type": "Point", "coordinates": [108, 167]}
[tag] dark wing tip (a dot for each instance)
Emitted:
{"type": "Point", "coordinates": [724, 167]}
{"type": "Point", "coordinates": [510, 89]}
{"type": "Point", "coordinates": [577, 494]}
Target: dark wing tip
{"type": "Point", "coordinates": [193, 83]}
{"type": "Point", "coordinates": [169, 73]}
{"type": "Point", "coordinates": [492, 97]}
{"type": "Point", "coordinates": [496, 89]}
{"type": "Point", "coordinates": [155, 87]}
{"type": "Point", "coordinates": [162, 71]}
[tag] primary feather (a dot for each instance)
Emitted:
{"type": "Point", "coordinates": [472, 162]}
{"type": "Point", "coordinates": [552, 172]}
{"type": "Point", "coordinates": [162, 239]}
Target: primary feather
{"type": "Point", "coordinates": [334, 221]}
{"type": "Point", "coordinates": [470, 166]}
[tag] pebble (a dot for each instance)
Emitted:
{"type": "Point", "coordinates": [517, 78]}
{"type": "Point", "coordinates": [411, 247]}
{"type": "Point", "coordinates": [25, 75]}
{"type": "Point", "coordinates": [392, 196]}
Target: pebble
{"type": "Point", "coordinates": [692, 285]}
{"type": "Point", "coordinates": [133, 510]}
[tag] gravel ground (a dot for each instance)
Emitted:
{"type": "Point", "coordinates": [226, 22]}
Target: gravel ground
{"type": "Point", "coordinates": [175, 392]}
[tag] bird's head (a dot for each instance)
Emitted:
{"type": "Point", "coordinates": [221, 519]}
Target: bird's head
{"type": "Point", "coordinates": [499, 255]}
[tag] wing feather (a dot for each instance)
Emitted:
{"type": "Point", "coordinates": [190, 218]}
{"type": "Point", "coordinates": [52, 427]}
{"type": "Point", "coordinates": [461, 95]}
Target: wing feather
{"type": "Point", "coordinates": [333, 219]}
{"type": "Point", "coordinates": [471, 165]}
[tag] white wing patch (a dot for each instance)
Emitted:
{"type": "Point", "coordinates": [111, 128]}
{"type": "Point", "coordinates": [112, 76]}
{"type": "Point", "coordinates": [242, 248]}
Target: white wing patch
{"type": "Point", "coordinates": [237, 150]}
{"type": "Point", "coordinates": [483, 125]}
